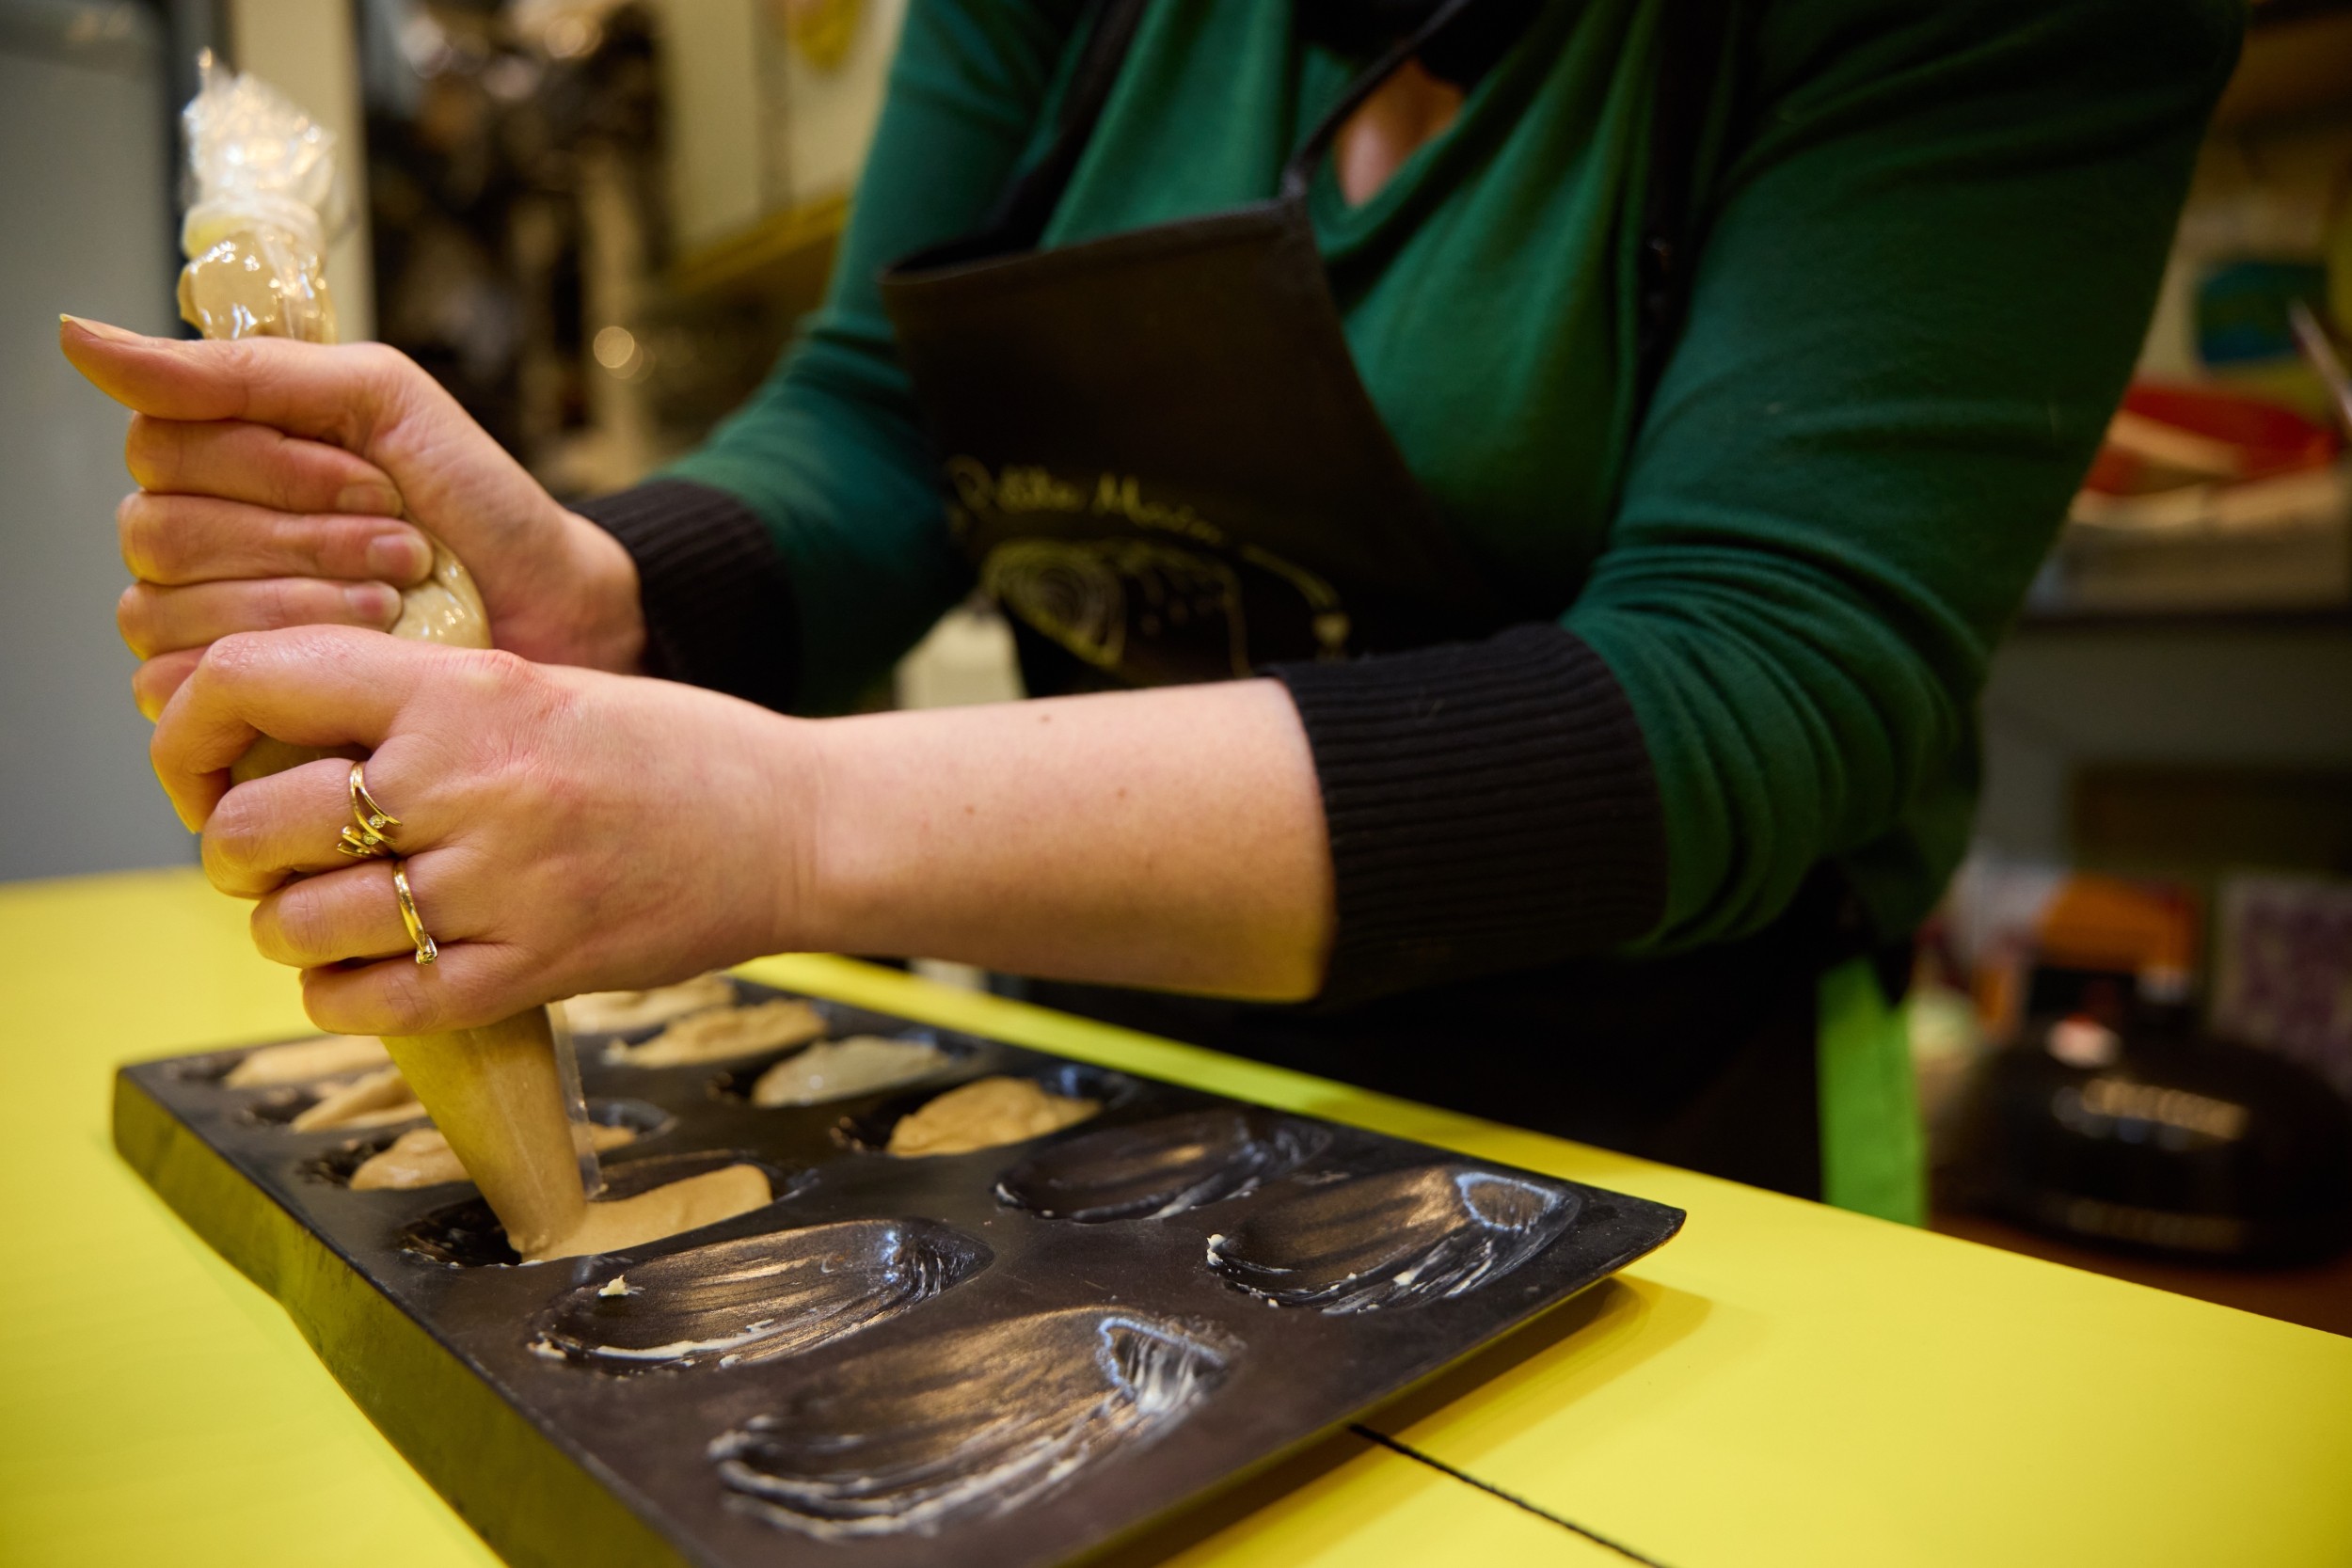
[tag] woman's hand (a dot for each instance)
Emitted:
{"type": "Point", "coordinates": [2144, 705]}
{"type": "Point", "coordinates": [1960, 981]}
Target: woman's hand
{"type": "Point", "coordinates": [566, 831]}
{"type": "Point", "coordinates": [273, 476]}
{"type": "Point", "coordinates": [563, 831]}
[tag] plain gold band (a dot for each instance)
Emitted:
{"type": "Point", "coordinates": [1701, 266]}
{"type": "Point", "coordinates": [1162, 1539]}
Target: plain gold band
{"type": "Point", "coordinates": [427, 949]}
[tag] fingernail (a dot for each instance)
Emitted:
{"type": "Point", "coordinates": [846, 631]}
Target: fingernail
{"type": "Point", "coordinates": [369, 497]}
{"type": "Point", "coordinates": [372, 604]}
{"type": "Point", "coordinates": [99, 330]}
{"type": "Point", "coordinates": [399, 557]}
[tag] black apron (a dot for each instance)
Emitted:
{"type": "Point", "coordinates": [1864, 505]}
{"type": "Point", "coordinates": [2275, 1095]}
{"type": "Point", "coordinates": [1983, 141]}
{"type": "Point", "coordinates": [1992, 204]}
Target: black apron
{"type": "Point", "coordinates": [1163, 466]}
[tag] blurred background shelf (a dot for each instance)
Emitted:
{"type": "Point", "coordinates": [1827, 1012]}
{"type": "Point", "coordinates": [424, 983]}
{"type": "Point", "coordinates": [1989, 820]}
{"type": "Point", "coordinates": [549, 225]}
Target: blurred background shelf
{"type": "Point", "coordinates": [786, 257]}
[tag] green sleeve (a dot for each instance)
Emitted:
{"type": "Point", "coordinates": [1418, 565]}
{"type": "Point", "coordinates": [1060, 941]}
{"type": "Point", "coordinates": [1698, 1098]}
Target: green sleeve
{"type": "Point", "coordinates": [1935, 240]}
{"type": "Point", "coordinates": [829, 453]}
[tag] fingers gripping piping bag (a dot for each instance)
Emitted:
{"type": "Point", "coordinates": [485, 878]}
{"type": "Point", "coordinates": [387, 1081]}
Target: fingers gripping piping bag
{"type": "Point", "coordinates": [266, 198]}
{"type": "Point", "coordinates": [506, 1096]}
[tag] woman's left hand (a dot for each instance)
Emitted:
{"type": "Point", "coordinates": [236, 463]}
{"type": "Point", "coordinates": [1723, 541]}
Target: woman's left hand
{"type": "Point", "coordinates": [562, 831]}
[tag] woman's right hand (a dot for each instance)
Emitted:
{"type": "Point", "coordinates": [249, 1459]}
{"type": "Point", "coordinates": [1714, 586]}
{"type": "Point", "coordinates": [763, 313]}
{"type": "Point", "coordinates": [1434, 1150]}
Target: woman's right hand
{"type": "Point", "coordinates": [273, 476]}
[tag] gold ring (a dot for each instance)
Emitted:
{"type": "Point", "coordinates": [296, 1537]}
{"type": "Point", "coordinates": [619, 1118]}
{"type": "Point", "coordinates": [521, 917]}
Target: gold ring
{"type": "Point", "coordinates": [366, 839]}
{"type": "Point", "coordinates": [427, 950]}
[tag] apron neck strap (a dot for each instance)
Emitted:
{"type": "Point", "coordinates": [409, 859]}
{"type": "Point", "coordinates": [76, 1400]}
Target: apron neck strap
{"type": "Point", "coordinates": [1027, 205]}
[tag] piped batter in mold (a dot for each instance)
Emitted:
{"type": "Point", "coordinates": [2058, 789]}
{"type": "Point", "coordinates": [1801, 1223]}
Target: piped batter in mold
{"type": "Point", "coordinates": [1162, 1168]}
{"type": "Point", "coordinates": [421, 1157]}
{"type": "Point", "coordinates": [759, 1297]}
{"type": "Point", "coordinates": [976, 1423]}
{"type": "Point", "coordinates": [831, 1071]}
{"type": "Point", "coordinates": [723, 1034]}
{"type": "Point", "coordinates": [307, 1061]}
{"type": "Point", "coordinates": [619, 1012]}
{"type": "Point", "coordinates": [467, 1235]}
{"type": "Point", "coordinates": [985, 1114]}
{"type": "Point", "coordinates": [1404, 1238]}
{"type": "Point", "coordinates": [612, 1124]}
{"type": "Point", "coordinates": [1061, 1096]}
{"type": "Point", "coordinates": [377, 1098]}
{"type": "Point", "coordinates": [740, 1082]}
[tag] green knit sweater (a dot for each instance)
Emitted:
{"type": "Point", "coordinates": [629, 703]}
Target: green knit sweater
{"type": "Point", "coordinates": [1933, 235]}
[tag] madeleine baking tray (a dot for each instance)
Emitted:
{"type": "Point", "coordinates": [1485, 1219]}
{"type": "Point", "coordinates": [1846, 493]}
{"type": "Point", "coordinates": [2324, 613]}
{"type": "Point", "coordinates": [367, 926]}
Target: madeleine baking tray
{"type": "Point", "coordinates": [1002, 1358]}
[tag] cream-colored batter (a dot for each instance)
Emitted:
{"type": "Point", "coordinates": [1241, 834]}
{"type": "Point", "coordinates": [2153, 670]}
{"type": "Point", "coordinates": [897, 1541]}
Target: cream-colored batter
{"type": "Point", "coordinates": [378, 1100]}
{"type": "Point", "coordinates": [496, 1096]}
{"type": "Point", "coordinates": [722, 1033]}
{"type": "Point", "coordinates": [618, 1011]}
{"type": "Point", "coordinates": [985, 1113]}
{"type": "Point", "coordinates": [300, 1061]}
{"type": "Point", "coordinates": [255, 280]}
{"type": "Point", "coordinates": [688, 1205]}
{"type": "Point", "coordinates": [835, 1069]}
{"type": "Point", "coordinates": [423, 1158]}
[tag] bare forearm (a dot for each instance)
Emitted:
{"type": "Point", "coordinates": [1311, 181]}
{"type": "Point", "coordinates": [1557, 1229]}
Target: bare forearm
{"type": "Point", "coordinates": [1171, 839]}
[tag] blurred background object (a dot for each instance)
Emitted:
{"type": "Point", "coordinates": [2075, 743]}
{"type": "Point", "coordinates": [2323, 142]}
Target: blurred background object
{"type": "Point", "coordinates": [598, 223]}
{"type": "Point", "coordinates": [2107, 1109]}
{"type": "Point", "coordinates": [2223, 488]}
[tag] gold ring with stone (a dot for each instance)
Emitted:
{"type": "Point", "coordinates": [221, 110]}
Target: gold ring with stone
{"type": "Point", "coordinates": [366, 838]}
{"type": "Point", "coordinates": [427, 950]}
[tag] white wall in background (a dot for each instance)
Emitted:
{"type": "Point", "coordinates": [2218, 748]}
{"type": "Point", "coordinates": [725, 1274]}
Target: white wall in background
{"type": "Point", "coordinates": [719, 167]}
{"type": "Point", "coordinates": [754, 128]}
{"type": "Point", "coordinates": [87, 229]}
{"type": "Point", "coordinates": [831, 114]}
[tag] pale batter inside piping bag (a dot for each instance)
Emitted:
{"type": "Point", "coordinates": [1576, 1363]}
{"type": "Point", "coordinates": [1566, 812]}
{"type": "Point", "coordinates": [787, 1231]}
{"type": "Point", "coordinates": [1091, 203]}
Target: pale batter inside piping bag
{"type": "Point", "coordinates": [266, 197]}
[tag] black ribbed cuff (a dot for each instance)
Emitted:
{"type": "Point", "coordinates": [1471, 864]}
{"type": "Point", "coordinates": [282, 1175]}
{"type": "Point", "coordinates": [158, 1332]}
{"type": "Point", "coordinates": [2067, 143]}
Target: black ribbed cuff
{"type": "Point", "coordinates": [1491, 807]}
{"type": "Point", "coordinates": [718, 602]}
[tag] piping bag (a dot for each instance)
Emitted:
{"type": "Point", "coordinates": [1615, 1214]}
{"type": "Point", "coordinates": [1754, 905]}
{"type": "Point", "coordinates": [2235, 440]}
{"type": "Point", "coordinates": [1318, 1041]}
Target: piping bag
{"type": "Point", "coordinates": [506, 1095]}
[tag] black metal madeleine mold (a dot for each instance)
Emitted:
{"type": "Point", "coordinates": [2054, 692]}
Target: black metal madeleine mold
{"type": "Point", "coordinates": [1000, 1358]}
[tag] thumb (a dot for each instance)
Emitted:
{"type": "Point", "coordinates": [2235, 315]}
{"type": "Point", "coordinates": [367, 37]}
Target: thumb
{"type": "Point", "coordinates": [345, 395]}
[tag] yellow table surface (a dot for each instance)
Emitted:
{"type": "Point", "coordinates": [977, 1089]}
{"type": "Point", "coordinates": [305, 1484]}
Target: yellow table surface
{"type": "Point", "coordinates": [1782, 1384]}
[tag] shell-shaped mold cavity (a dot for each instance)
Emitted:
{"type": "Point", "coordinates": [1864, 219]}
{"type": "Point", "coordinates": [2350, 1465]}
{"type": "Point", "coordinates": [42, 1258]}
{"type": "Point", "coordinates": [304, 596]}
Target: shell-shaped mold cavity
{"type": "Point", "coordinates": [1404, 1238]}
{"type": "Point", "coordinates": [975, 1423]}
{"type": "Point", "coordinates": [760, 1297]}
{"type": "Point", "coordinates": [1157, 1169]}
{"type": "Point", "coordinates": [277, 1106]}
{"type": "Point", "coordinates": [870, 1130]}
{"type": "Point", "coordinates": [468, 1236]}
{"type": "Point", "coordinates": [337, 1167]}
{"type": "Point", "coordinates": [209, 1069]}
{"type": "Point", "coordinates": [645, 1120]}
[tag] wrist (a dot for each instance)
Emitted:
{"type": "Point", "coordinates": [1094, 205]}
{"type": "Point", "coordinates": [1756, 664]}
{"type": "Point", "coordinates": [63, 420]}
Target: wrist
{"type": "Point", "coordinates": [610, 629]}
{"type": "Point", "coordinates": [795, 771]}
